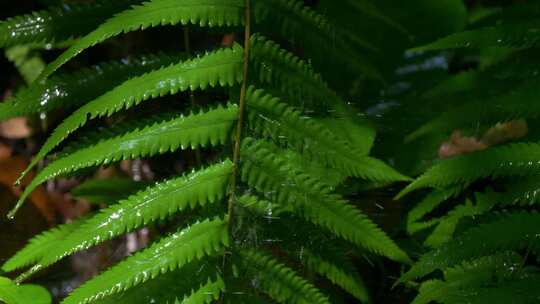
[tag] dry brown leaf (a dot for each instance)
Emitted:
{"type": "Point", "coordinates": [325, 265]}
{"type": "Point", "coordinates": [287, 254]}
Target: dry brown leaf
{"type": "Point", "coordinates": [16, 128]}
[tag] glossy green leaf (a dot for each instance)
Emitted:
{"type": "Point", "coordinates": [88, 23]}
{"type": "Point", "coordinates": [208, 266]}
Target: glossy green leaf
{"type": "Point", "coordinates": [195, 242]}
{"type": "Point", "coordinates": [10, 293]}
{"type": "Point", "coordinates": [59, 23]}
{"type": "Point", "coordinates": [153, 13]}
{"type": "Point", "coordinates": [312, 199]}
{"type": "Point", "coordinates": [222, 67]}
{"type": "Point", "coordinates": [210, 128]}
{"type": "Point", "coordinates": [200, 188]}
{"type": "Point", "coordinates": [279, 281]}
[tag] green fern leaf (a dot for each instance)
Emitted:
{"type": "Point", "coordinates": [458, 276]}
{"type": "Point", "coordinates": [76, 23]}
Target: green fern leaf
{"type": "Point", "coordinates": [157, 202]}
{"type": "Point", "coordinates": [270, 117]}
{"type": "Point", "coordinates": [522, 35]}
{"type": "Point", "coordinates": [518, 103]}
{"type": "Point", "coordinates": [291, 18]}
{"type": "Point", "coordinates": [223, 67]}
{"type": "Point", "coordinates": [312, 199]}
{"type": "Point", "coordinates": [29, 63]}
{"type": "Point", "coordinates": [276, 68]}
{"type": "Point", "coordinates": [206, 294]}
{"type": "Point", "coordinates": [69, 90]}
{"type": "Point", "coordinates": [317, 252]}
{"type": "Point", "coordinates": [514, 231]}
{"type": "Point", "coordinates": [193, 243]}
{"type": "Point", "coordinates": [278, 281]}
{"type": "Point", "coordinates": [448, 224]}
{"type": "Point", "coordinates": [58, 23]}
{"type": "Point", "coordinates": [39, 246]}
{"type": "Point", "coordinates": [468, 277]}
{"type": "Point", "coordinates": [10, 293]}
{"type": "Point", "coordinates": [107, 190]}
{"type": "Point", "coordinates": [524, 191]}
{"type": "Point", "coordinates": [368, 8]}
{"type": "Point", "coordinates": [167, 288]}
{"type": "Point", "coordinates": [511, 291]}
{"type": "Point", "coordinates": [154, 13]}
{"type": "Point", "coordinates": [198, 130]}
{"type": "Point", "coordinates": [513, 160]}
{"type": "Point", "coordinates": [515, 13]}
{"type": "Point", "coordinates": [429, 203]}
{"type": "Point", "coordinates": [343, 277]}
{"type": "Point", "coordinates": [359, 133]}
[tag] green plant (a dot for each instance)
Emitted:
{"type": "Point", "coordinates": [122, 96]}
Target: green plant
{"type": "Point", "coordinates": [270, 150]}
{"type": "Point", "coordinates": [479, 222]}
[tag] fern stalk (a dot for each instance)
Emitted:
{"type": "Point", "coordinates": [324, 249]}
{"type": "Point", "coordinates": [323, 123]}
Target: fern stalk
{"type": "Point", "coordinates": [241, 113]}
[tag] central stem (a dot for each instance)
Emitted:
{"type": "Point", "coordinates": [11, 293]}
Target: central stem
{"type": "Point", "coordinates": [241, 114]}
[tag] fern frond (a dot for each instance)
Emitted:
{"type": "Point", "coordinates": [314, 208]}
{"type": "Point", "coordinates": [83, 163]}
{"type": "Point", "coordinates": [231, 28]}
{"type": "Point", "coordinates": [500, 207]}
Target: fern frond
{"type": "Point", "coordinates": [280, 69]}
{"type": "Point", "coordinates": [429, 203]}
{"type": "Point", "coordinates": [515, 13]}
{"type": "Point", "coordinates": [278, 281]}
{"type": "Point", "coordinates": [69, 90]}
{"type": "Point", "coordinates": [522, 35]}
{"type": "Point", "coordinates": [40, 246]}
{"type": "Point", "coordinates": [513, 160]}
{"type": "Point", "coordinates": [206, 294]}
{"type": "Point", "coordinates": [465, 278]}
{"type": "Point", "coordinates": [510, 291]}
{"type": "Point", "coordinates": [294, 80]}
{"type": "Point", "coordinates": [222, 67]}
{"type": "Point", "coordinates": [524, 191]}
{"type": "Point", "coordinates": [291, 18]}
{"type": "Point", "coordinates": [447, 225]}
{"type": "Point", "coordinates": [157, 202]}
{"type": "Point", "coordinates": [519, 103]}
{"type": "Point", "coordinates": [513, 231]}
{"type": "Point", "coordinates": [313, 200]}
{"type": "Point", "coordinates": [11, 293]}
{"type": "Point", "coordinates": [346, 278]}
{"type": "Point", "coordinates": [58, 23]}
{"type": "Point", "coordinates": [269, 117]}
{"type": "Point", "coordinates": [167, 288]}
{"type": "Point", "coordinates": [316, 252]}
{"type": "Point", "coordinates": [154, 13]}
{"type": "Point", "coordinates": [359, 133]}
{"type": "Point", "coordinates": [193, 243]}
{"type": "Point", "coordinates": [197, 130]}
{"type": "Point", "coordinates": [107, 190]}
{"type": "Point", "coordinates": [28, 63]}
{"type": "Point", "coordinates": [368, 8]}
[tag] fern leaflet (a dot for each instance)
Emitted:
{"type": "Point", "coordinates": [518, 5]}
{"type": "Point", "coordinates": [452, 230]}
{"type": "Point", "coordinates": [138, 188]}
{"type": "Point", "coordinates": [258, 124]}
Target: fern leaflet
{"type": "Point", "coordinates": [193, 243]}
{"type": "Point", "coordinates": [514, 231]}
{"type": "Point", "coordinates": [513, 160]}
{"type": "Point", "coordinates": [278, 281]}
{"type": "Point", "coordinates": [59, 23]}
{"type": "Point", "coordinates": [272, 118]}
{"type": "Point", "coordinates": [295, 20]}
{"type": "Point", "coordinates": [153, 13]}
{"type": "Point", "coordinates": [312, 199]}
{"type": "Point", "coordinates": [156, 202]}
{"type": "Point", "coordinates": [522, 35]}
{"type": "Point", "coordinates": [40, 246]}
{"type": "Point", "coordinates": [198, 130]}
{"type": "Point", "coordinates": [223, 67]}
{"type": "Point", "coordinates": [11, 293]}
{"type": "Point", "coordinates": [68, 90]}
